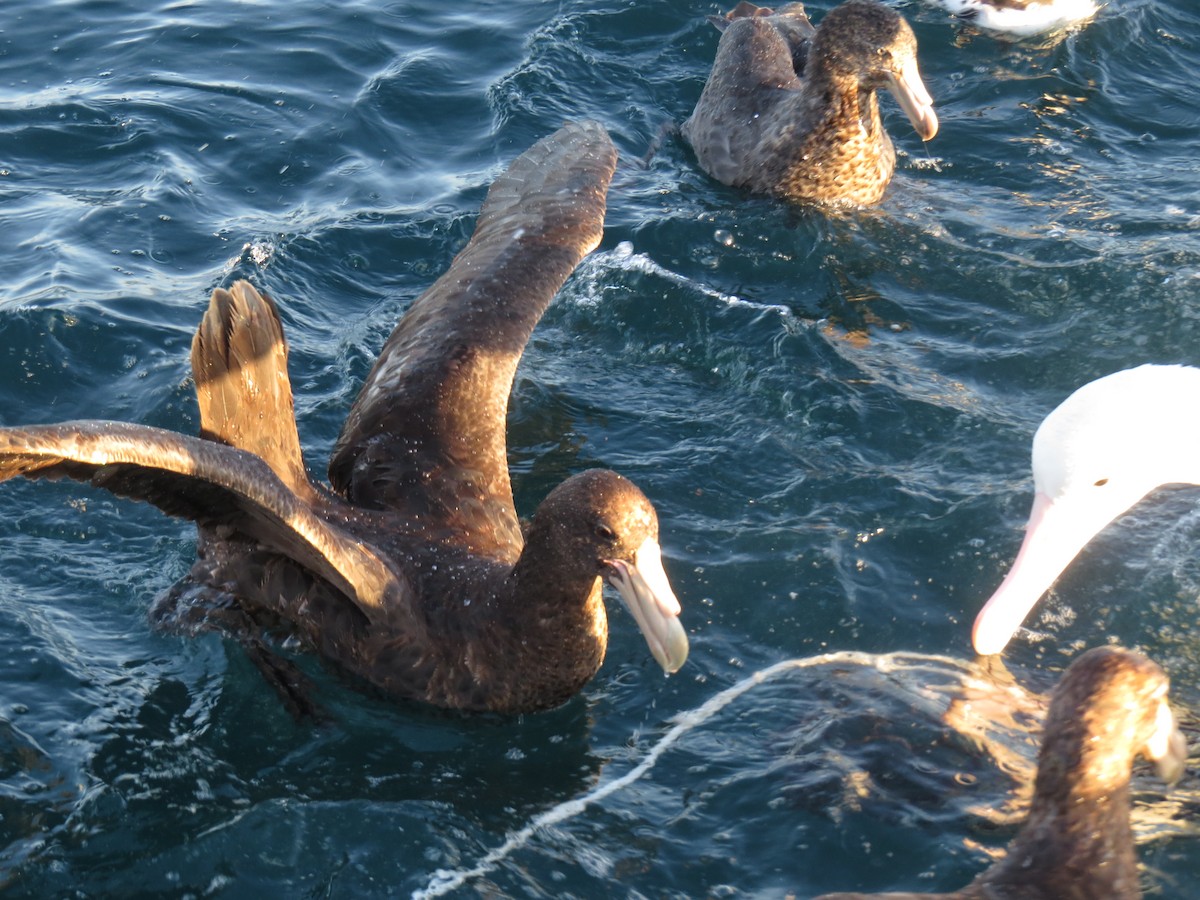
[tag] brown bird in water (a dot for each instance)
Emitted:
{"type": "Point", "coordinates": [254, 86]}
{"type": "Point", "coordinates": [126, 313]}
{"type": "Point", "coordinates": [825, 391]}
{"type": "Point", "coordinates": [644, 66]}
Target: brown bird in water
{"type": "Point", "coordinates": [791, 110]}
{"type": "Point", "coordinates": [412, 572]}
{"type": "Point", "coordinates": [1109, 706]}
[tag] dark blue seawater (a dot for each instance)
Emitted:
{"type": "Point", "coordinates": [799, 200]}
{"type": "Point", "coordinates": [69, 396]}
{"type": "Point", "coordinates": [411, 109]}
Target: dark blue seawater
{"type": "Point", "coordinates": [832, 415]}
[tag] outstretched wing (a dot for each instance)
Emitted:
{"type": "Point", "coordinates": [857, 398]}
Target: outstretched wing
{"type": "Point", "coordinates": [426, 435]}
{"type": "Point", "coordinates": [209, 483]}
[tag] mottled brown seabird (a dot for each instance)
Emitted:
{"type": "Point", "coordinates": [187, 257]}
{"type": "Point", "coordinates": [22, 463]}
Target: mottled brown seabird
{"type": "Point", "coordinates": [790, 110]}
{"type": "Point", "coordinates": [412, 571]}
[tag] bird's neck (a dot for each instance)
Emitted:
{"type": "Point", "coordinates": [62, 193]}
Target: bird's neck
{"type": "Point", "coordinates": [557, 608]}
{"type": "Point", "coordinates": [549, 573]}
{"type": "Point", "coordinates": [547, 586]}
{"type": "Point", "coordinates": [845, 99]}
{"type": "Point", "coordinates": [1076, 842]}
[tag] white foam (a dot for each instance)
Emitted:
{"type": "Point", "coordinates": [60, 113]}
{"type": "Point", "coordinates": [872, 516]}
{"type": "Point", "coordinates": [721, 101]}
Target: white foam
{"type": "Point", "coordinates": [624, 257]}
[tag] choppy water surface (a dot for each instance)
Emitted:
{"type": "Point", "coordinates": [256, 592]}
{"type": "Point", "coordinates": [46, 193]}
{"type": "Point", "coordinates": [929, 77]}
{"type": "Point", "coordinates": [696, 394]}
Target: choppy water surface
{"type": "Point", "coordinates": [832, 415]}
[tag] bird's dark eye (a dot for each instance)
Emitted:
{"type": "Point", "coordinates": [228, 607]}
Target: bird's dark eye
{"type": "Point", "coordinates": [1101, 483]}
{"type": "Point", "coordinates": [604, 532]}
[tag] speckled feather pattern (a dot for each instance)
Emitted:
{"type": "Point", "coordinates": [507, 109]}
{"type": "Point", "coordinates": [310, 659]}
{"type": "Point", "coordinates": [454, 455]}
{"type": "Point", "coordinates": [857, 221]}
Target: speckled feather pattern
{"type": "Point", "coordinates": [792, 111]}
{"type": "Point", "coordinates": [847, 158]}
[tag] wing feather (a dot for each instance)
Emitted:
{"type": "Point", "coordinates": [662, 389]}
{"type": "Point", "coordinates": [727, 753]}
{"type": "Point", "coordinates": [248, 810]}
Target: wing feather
{"type": "Point", "coordinates": [426, 435]}
{"type": "Point", "coordinates": [212, 484]}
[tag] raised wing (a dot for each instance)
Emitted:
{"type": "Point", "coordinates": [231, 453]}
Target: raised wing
{"type": "Point", "coordinates": [239, 363]}
{"type": "Point", "coordinates": [426, 435]}
{"type": "Point", "coordinates": [209, 483]}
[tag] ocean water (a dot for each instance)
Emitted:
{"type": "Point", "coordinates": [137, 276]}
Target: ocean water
{"type": "Point", "coordinates": [831, 413]}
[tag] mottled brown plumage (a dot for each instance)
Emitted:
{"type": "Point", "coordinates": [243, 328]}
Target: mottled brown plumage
{"type": "Point", "coordinates": [1109, 706]}
{"type": "Point", "coordinates": [791, 111]}
{"type": "Point", "coordinates": [412, 572]}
